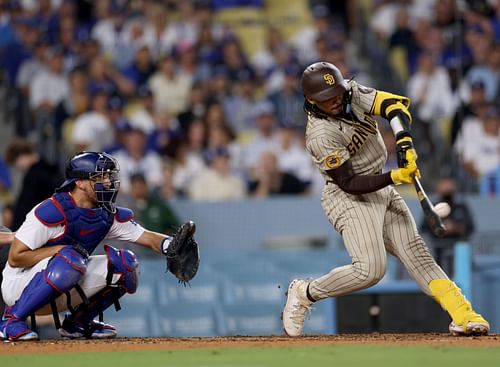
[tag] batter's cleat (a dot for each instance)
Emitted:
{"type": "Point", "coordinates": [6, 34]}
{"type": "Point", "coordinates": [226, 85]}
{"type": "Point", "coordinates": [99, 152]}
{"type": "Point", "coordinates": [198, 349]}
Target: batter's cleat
{"type": "Point", "coordinates": [296, 307]}
{"type": "Point", "coordinates": [476, 326]}
{"type": "Point", "coordinates": [465, 321]}
{"type": "Point", "coordinates": [16, 330]}
{"type": "Point", "coordinates": [98, 330]}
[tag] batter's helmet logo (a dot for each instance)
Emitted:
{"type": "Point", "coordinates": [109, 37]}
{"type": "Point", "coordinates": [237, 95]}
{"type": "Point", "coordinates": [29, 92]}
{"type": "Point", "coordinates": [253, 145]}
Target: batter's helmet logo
{"type": "Point", "coordinates": [329, 79]}
{"type": "Point", "coordinates": [332, 161]}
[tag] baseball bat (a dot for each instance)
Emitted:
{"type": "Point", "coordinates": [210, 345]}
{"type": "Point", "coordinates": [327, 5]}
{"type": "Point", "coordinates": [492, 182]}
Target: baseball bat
{"type": "Point", "coordinates": [433, 219]}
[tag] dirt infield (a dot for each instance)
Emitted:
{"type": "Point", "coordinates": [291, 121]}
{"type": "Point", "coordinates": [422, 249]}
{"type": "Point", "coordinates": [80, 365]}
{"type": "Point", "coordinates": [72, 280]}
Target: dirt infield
{"type": "Point", "coordinates": [143, 344]}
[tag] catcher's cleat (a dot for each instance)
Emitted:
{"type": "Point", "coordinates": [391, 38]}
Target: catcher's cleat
{"type": "Point", "coordinates": [98, 330]}
{"type": "Point", "coordinates": [16, 330]}
{"type": "Point", "coordinates": [296, 307]}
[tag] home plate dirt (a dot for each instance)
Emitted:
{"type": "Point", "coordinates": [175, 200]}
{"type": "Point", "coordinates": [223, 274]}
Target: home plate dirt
{"type": "Point", "coordinates": [135, 344]}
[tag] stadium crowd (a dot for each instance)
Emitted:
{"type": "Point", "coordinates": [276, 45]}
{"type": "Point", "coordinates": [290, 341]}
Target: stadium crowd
{"type": "Point", "coordinates": [192, 110]}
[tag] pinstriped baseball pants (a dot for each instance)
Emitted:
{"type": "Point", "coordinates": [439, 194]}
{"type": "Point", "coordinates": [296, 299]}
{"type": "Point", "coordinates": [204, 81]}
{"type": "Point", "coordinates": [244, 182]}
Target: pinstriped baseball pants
{"type": "Point", "coordinates": [372, 225]}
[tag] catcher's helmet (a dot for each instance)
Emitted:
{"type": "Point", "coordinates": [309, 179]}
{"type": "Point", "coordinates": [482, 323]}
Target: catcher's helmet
{"type": "Point", "coordinates": [100, 167]}
{"type": "Point", "coordinates": [322, 81]}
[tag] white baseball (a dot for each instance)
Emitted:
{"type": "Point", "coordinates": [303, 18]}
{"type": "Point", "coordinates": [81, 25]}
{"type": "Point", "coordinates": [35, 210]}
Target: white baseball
{"type": "Point", "coordinates": [442, 209]}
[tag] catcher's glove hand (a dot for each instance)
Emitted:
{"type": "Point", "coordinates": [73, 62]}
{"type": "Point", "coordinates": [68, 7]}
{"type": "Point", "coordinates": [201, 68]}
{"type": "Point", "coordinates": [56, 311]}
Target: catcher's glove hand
{"type": "Point", "coordinates": [183, 258]}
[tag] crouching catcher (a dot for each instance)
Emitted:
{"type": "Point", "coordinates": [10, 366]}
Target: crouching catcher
{"type": "Point", "coordinates": [51, 267]}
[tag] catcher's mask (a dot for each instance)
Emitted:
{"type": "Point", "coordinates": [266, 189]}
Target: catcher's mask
{"type": "Point", "coordinates": [322, 81]}
{"type": "Point", "coordinates": [102, 169]}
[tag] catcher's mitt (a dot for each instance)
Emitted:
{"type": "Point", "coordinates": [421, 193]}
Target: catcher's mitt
{"type": "Point", "coordinates": [182, 253]}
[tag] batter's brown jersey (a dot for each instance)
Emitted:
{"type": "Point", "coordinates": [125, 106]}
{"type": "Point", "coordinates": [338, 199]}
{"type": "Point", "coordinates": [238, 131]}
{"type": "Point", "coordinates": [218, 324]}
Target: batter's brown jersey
{"type": "Point", "coordinates": [332, 141]}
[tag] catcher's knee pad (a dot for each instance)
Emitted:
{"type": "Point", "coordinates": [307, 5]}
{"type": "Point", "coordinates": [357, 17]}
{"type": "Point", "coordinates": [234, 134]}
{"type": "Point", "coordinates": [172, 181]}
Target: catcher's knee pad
{"type": "Point", "coordinates": [62, 273]}
{"type": "Point", "coordinates": [65, 269]}
{"type": "Point", "coordinates": [124, 264]}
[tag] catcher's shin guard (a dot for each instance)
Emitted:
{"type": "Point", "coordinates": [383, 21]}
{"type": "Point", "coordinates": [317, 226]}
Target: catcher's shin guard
{"type": "Point", "coordinates": [80, 322]}
{"type": "Point", "coordinates": [465, 320]}
{"type": "Point", "coordinates": [122, 278]}
{"type": "Point", "coordinates": [63, 271]}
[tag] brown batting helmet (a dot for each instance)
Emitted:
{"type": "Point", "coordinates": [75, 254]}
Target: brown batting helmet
{"type": "Point", "coordinates": [322, 81]}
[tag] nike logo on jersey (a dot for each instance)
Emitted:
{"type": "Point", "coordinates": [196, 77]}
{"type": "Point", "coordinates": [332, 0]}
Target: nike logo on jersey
{"type": "Point", "coordinates": [85, 232]}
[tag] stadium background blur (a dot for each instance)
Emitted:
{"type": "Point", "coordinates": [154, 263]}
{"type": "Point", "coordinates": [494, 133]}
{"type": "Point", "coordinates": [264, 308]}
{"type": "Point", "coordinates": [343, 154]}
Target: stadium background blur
{"type": "Point", "coordinates": [201, 104]}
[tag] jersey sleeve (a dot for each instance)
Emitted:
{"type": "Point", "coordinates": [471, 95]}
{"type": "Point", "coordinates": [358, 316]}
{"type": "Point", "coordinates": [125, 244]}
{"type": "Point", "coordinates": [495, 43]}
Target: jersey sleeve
{"type": "Point", "coordinates": [363, 97]}
{"type": "Point", "coordinates": [129, 230]}
{"type": "Point", "coordinates": [327, 154]}
{"type": "Point", "coordinates": [34, 234]}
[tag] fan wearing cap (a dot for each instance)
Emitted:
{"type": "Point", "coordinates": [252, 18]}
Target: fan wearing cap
{"type": "Point", "coordinates": [360, 201]}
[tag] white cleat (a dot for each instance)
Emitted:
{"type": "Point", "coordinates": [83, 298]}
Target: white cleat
{"type": "Point", "coordinates": [473, 328]}
{"type": "Point", "coordinates": [296, 307]}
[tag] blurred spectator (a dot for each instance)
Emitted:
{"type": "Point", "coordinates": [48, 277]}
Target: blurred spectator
{"type": "Point", "coordinates": [104, 76]}
{"type": "Point", "coordinates": [187, 165]}
{"type": "Point", "coordinates": [93, 130]}
{"type": "Point", "coordinates": [459, 224]}
{"type": "Point", "coordinates": [221, 136]}
{"type": "Point", "coordinates": [52, 78]}
{"type": "Point", "coordinates": [473, 98]}
{"type": "Point", "coordinates": [488, 74]}
{"type": "Point", "coordinates": [75, 103]}
{"type": "Point", "coordinates": [152, 211]}
{"type": "Point", "coordinates": [196, 107]}
{"type": "Point", "coordinates": [39, 181]}
{"type": "Point", "coordinates": [167, 190]}
{"type": "Point", "coordinates": [266, 58]}
{"type": "Point", "coordinates": [269, 180]}
{"type": "Point", "coordinates": [143, 116]}
{"type": "Point", "coordinates": [239, 107]}
{"type": "Point", "coordinates": [289, 100]}
{"type": "Point", "coordinates": [28, 70]}
{"type": "Point", "coordinates": [430, 92]}
{"type": "Point", "coordinates": [141, 69]}
{"type": "Point", "coordinates": [266, 138]}
{"type": "Point", "coordinates": [478, 144]}
{"type": "Point", "coordinates": [170, 87]}
{"type": "Point", "coordinates": [304, 39]}
{"type": "Point", "coordinates": [292, 155]}
{"type": "Point", "coordinates": [217, 183]}
{"type": "Point", "coordinates": [134, 158]}
{"type": "Point", "coordinates": [166, 134]}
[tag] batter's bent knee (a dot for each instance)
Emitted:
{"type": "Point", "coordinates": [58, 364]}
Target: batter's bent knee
{"type": "Point", "coordinates": [369, 274]}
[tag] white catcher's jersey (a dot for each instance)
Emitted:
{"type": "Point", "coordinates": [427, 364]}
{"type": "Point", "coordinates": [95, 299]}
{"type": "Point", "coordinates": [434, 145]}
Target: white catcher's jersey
{"type": "Point", "coordinates": [34, 234]}
{"type": "Point", "coordinates": [332, 141]}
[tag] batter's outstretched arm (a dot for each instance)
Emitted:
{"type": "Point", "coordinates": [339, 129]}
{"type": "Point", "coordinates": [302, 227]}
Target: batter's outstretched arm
{"type": "Point", "coordinates": [352, 183]}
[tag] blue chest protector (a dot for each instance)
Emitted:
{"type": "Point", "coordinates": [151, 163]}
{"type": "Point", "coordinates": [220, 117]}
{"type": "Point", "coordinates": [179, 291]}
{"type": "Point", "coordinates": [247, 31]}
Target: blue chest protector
{"type": "Point", "coordinates": [83, 227]}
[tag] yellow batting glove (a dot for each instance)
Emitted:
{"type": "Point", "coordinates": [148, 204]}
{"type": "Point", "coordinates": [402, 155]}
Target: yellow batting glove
{"type": "Point", "coordinates": [411, 155]}
{"type": "Point", "coordinates": [405, 175]}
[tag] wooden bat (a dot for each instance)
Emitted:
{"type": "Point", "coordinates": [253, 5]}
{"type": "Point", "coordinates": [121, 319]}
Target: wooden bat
{"type": "Point", "coordinates": [433, 219]}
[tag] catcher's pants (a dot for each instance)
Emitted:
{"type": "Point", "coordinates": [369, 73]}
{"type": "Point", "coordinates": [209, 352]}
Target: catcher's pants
{"type": "Point", "coordinates": [372, 225]}
{"type": "Point", "coordinates": [16, 279]}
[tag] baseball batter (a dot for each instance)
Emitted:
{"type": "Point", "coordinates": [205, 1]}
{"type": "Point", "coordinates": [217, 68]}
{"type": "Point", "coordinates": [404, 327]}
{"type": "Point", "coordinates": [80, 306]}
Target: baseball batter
{"type": "Point", "coordinates": [361, 202]}
{"type": "Point", "coordinates": [49, 266]}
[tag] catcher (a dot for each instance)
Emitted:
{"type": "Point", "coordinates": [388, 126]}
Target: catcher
{"type": "Point", "coordinates": [50, 267]}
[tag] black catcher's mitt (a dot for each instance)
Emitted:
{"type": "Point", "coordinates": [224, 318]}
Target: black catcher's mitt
{"type": "Point", "coordinates": [182, 253]}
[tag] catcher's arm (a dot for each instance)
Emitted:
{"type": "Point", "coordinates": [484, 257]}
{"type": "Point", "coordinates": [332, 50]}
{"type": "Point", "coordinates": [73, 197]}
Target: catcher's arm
{"type": "Point", "coordinates": [152, 240]}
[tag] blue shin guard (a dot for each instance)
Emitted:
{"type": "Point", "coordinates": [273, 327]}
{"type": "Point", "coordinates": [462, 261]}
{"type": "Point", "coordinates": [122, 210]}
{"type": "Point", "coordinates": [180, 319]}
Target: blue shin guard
{"type": "Point", "coordinates": [63, 272]}
{"type": "Point", "coordinates": [80, 322]}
